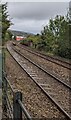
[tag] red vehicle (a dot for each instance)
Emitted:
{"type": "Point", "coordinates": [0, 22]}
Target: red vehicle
{"type": "Point", "coordinates": [18, 38]}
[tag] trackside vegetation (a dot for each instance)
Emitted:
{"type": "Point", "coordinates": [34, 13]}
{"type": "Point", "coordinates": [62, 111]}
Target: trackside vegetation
{"type": "Point", "coordinates": [54, 38]}
{"type": "Point", "coordinates": [5, 22]}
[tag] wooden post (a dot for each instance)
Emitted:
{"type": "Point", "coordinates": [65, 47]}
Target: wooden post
{"type": "Point", "coordinates": [17, 111]}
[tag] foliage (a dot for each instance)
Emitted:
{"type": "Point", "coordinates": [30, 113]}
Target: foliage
{"type": "Point", "coordinates": [5, 20]}
{"type": "Point", "coordinates": [0, 23]}
{"type": "Point", "coordinates": [31, 40]}
{"type": "Point", "coordinates": [55, 37]}
{"type": "Point", "coordinates": [8, 35]}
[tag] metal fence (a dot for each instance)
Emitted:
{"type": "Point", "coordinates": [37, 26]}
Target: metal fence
{"type": "Point", "coordinates": [12, 102]}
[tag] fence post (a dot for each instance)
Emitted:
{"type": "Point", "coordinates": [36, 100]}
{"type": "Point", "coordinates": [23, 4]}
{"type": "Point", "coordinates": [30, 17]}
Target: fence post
{"type": "Point", "coordinates": [17, 111]}
{"type": "Point", "coordinates": [4, 99]}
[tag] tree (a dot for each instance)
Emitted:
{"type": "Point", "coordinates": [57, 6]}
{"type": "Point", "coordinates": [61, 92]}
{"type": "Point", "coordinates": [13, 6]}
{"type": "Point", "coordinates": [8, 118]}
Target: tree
{"type": "Point", "coordinates": [5, 20]}
{"type": "Point", "coordinates": [0, 23]}
{"type": "Point", "coordinates": [56, 36]}
{"type": "Point", "coordinates": [8, 35]}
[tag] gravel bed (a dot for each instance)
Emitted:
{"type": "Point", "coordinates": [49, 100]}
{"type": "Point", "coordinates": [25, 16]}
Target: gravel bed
{"type": "Point", "coordinates": [37, 104]}
{"type": "Point", "coordinates": [57, 70]}
{"type": "Point", "coordinates": [55, 89]}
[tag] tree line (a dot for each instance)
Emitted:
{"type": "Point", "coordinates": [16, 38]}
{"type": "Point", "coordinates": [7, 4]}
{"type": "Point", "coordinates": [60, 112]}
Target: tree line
{"type": "Point", "coordinates": [55, 38]}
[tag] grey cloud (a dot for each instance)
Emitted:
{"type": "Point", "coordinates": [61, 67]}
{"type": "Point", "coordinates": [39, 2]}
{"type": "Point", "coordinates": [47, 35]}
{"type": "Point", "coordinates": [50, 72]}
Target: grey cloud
{"type": "Point", "coordinates": [36, 11]}
{"type": "Point", "coordinates": [28, 26]}
{"type": "Point", "coordinates": [31, 17]}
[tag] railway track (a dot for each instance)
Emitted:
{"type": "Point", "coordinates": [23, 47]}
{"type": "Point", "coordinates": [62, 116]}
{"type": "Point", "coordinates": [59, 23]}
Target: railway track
{"type": "Point", "coordinates": [54, 68]}
{"type": "Point", "coordinates": [58, 61]}
{"type": "Point", "coordinates": [36, 102]}
{"type": "Point", "coordinates": [47, 83]}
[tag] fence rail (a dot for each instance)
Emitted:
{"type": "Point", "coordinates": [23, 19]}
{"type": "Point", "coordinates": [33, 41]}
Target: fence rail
{"type": "Point", "coordinates": [12, 102]}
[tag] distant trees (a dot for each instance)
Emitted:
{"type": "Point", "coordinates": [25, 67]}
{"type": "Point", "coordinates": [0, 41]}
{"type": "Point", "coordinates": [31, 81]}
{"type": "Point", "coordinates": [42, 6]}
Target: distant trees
{"type": "Point", "coordinates": [31, 40]}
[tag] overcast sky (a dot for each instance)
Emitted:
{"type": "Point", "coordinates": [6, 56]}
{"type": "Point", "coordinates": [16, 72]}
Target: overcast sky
{"type": "Point", "coordinates": [32, 16]}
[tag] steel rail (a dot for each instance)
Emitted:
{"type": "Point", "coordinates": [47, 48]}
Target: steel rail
{"type": "Point", "coordinates": [46, 93]}
{"type": "Point", "coordinates": [50, 74]}
{"type": "Point", "coordinates": [49, 59]}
